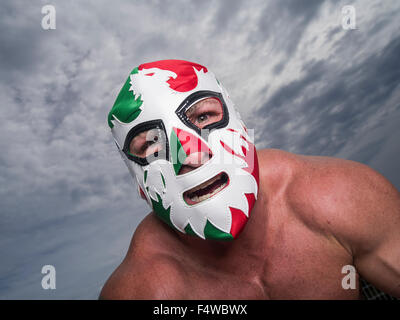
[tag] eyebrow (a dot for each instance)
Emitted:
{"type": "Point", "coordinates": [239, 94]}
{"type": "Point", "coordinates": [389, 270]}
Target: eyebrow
{"type": "Point", "coordinates": [193, 107]}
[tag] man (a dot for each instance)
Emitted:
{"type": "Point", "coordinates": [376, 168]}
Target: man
{"type": "Point", "coordinates": [232, 223]}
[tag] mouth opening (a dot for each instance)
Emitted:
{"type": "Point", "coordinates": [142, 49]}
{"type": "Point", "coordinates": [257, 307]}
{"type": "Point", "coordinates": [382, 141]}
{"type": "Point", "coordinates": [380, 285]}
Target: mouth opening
{"type": "Point", "coordinates": [207, 189]}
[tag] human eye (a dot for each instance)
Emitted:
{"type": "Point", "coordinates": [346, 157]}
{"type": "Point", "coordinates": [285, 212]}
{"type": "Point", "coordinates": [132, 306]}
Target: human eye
{"type": "Point", "coordinates": [145, 143]}
{"type": "Point", "coordinates": [205, 112]}
{"type": "Point", "coordinates": [201, 119]}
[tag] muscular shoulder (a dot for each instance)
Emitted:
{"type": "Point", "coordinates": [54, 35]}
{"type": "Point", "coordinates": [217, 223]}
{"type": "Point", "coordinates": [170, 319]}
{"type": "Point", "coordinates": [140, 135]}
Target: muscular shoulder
{"type": "Point", "coordinates": [347, 199]}
{"type": "Point", "coordinates": [276, 168]}
{"type": "Point", "coordinates": [148, 271]}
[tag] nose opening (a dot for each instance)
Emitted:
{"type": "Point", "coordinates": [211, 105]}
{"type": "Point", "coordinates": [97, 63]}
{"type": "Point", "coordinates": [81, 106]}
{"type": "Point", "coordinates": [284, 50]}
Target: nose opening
{"type": "Point", "coordinates": [188, 151]}
{"type": "Point", "coordinates": [194, 160]}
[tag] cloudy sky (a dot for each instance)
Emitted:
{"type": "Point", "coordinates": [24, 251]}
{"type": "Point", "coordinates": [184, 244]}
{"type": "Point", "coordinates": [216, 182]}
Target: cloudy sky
{"type": "Point", "coordinates": [304, 83]}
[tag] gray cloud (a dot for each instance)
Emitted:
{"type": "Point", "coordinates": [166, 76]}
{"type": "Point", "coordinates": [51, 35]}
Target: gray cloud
{"type": "Point", "coordinates": [344, 101]}
{"type": "Point", "coordinates": [285, 22]}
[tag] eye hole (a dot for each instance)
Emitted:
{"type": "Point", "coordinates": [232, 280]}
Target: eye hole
{"type": "Point", "coordinates": [205, 112]}
{"type": "Point", "coordinates": [147, 143]}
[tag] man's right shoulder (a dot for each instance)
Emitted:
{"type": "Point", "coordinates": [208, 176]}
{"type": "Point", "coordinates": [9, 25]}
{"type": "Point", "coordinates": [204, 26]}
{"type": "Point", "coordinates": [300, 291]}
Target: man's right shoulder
{"type": "Point", "coordinates": [149, 270]}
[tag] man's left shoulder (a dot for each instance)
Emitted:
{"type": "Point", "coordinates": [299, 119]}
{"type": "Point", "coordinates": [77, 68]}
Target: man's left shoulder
{"type": "Point", "coordinates": [344, 198]}
{"type": "Point", "coordinates": [276, 167]}
{"type": "Point", "coordinates": [335, 181]}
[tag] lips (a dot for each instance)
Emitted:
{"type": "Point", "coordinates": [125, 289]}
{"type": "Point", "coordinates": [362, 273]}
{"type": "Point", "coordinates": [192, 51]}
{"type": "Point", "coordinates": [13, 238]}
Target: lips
{"type": "Point", "coordinates": [207, 189]}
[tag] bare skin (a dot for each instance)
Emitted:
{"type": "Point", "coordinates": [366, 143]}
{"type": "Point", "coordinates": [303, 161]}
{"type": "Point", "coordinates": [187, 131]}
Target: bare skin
{"type": "Point", "coordinates": [313, 216]}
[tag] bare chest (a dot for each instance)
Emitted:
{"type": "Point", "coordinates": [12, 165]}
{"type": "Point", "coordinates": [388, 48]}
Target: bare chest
{"type": "Point", "coordinates": [297, 264]}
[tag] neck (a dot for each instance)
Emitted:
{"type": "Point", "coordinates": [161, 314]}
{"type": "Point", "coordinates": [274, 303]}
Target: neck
{"type": "Point", "coordinates": [248, 246]}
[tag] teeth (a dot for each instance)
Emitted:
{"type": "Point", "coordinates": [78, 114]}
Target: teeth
{"type": "Point", "coordinates": [206, 196]}
{"type": "Point", "coordinates": [205, 184]}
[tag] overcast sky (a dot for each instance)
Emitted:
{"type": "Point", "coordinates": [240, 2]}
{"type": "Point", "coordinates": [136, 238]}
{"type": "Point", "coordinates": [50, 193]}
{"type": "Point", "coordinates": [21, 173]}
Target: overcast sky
{"type": "Point", "coordinates": [300, 80]}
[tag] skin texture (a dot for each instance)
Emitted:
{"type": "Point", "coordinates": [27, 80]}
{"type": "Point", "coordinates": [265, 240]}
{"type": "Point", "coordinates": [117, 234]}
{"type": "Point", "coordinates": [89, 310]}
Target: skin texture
{"type": "Point", "coordinates": [313, 216]}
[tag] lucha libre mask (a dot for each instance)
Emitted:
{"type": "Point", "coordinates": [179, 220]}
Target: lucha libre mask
{"type": "Point", "coordinates": [184, 142]}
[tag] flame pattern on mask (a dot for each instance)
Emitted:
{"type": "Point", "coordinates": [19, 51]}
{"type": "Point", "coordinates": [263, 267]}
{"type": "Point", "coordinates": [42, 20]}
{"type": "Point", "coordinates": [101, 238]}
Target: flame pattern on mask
{"type": "Point", "coordinates": [223, 215]}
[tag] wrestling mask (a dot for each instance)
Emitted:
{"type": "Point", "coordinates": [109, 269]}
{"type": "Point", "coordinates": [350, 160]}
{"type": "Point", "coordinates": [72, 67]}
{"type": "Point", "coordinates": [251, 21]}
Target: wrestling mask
{"type": "Point", "coordinates": [184, 143]}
